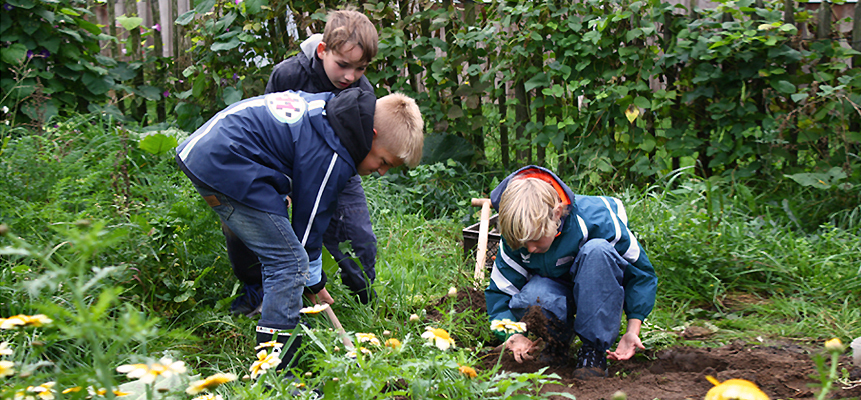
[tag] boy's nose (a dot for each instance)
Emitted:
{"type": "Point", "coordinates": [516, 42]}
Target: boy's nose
{"type": "Point", "coordinates": [382, 170]}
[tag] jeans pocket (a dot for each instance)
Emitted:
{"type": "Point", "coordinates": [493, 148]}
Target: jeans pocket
{"type": "Point", "coordinates": [217, 202]}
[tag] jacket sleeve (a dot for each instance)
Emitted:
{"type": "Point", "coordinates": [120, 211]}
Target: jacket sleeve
{"type": "Point", "coordinates": [506, 279]}
{"type": "Point", "coordinates": [641, 283]}
{"type": "Point", "coordinates": [281, 78]}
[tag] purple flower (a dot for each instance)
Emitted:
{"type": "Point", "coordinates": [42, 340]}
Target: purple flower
{"type": "Point", "coordinates": [45, 53]}
{"type": "Point", "coordinates": [29, 54]}
{"type": "Point", "coordinates": [235, 76]}
{"type": "Point", "coordinates": [7, 6]}
{"type": "Point", "coordinates": [238, 1]}
{"type": "Point", "coordinates": [166, 93]}
{"type": "Point", "coordinates": [157, 27]}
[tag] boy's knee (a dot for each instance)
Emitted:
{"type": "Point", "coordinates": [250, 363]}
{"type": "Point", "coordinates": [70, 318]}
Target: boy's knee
{"type": "Point", "coordinates": [597, 246]}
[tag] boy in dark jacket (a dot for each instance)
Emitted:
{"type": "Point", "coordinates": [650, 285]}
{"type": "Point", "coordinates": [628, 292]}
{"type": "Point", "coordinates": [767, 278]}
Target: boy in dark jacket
{"type": "Point", "coordinates": [251, 156]}
{"type": "Point", "coordinates": [570, 255]}
{"type": "Point", "coordinates": [331, 62]}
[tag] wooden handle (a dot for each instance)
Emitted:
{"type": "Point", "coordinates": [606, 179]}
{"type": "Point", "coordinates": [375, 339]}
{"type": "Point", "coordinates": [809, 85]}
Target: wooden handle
{"type": "Point", "coordinates": [340, 329]}
{"type": "Point", "coordinates": [483, 227]}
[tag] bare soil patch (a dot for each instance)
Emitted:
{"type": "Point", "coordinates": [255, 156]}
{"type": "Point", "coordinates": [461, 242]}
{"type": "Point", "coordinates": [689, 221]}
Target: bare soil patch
{"type": "Point", "coordinates": [782, 369]}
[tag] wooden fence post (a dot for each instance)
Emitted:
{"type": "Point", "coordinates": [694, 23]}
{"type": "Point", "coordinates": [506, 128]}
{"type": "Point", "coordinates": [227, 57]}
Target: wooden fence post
{"type": "Point", "coordinates": [856, 35]}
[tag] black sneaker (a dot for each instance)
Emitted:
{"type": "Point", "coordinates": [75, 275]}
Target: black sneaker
{"type": "Point", "coordinates": [591, 363]}
{"type": "Point", "coordinates": [249, 302]}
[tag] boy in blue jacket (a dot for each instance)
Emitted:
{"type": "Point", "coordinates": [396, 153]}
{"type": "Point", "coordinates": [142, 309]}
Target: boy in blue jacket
{"type": "Point", "coordinates": [251, 156]}
{"type": "Point", "coordinates": [569, 255]}
{"type": "Point", "coordinates": [331, 62]}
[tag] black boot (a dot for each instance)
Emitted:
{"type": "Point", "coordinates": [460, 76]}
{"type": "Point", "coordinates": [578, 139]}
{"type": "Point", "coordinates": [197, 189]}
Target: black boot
{"type": "Point", "coordinates": [287, 354]}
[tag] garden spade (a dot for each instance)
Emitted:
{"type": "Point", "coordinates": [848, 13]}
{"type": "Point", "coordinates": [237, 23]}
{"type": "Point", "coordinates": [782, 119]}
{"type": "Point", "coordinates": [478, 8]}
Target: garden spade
{"type": "Point", "coordinates": [483, 227]}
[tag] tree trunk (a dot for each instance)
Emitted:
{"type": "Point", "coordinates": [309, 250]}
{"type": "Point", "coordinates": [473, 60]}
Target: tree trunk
{"type": "Point", "coordinates": [139, 109]}
{"type": "Point", "coordinates": [158, 64]}
{"type": "Point", "coordinates": [521, 116]}
{"type": "Point", "coordinates": [504, 148]}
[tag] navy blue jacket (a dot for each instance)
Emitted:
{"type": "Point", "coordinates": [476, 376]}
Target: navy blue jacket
{"type": "Point", "coordinates": [589, 217]}
{"type": "Point", "coordinates": [259, 150]}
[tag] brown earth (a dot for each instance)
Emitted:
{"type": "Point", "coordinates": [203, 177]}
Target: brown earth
{"type": "Point", "coordinates": [782, 369]}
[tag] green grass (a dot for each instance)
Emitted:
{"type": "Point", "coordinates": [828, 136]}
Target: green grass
{"type": "Point", "coordinates": [114, 245]}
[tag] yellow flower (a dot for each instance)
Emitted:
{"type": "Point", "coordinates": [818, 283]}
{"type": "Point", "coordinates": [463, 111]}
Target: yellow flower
{"type": "Point", "coordinates": [438, 337]}
{"type": "Point", "coordinates": [353, 353]}
{"type": "Point", "coordinates": [272, 343]}
{"type": "Point", "coordinates": [208, 397]}
{"type": "Point", "coordinates": [6, 368]}
{"type": "Point", "coordinates": [44, 391]}
{"type": "Point", "coordinates": [393, 343]}
{"type": "Point", "coordinates": [148, 372]}
{"type": "Point", "coordinates": [368, 338]}
{"type": "Point", "coordinates": [5, 350]}
{"type": "Point", "coordinates": [734, 389]}
{"type": "Point", "coordinates": [102, 392]}
{"type": "Point", "coordinates": [834, 345]}
{"type": "Point", "coordinates": [507, 326]}
{"type": "Point", "coordinates": [209, 383]}
{"type": "Point", "coordinates": [263, 363]}
{"type": "Point", "coordinates": [73, 389]}
{"type": "Point", "coordinates": [315, 309]}
{"type": "Point", "coordinates": [468, 371]}
{"type": "Point", "coordinates": [24, 321]}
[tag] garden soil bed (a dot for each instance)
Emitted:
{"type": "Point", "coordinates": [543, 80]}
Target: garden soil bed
{"type": "Point", "coordinates": [782, 369]}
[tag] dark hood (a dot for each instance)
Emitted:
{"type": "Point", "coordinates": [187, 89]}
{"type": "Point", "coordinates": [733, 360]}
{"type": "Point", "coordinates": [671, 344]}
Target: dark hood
{"type": "Point", "coordinates": [351, 114]}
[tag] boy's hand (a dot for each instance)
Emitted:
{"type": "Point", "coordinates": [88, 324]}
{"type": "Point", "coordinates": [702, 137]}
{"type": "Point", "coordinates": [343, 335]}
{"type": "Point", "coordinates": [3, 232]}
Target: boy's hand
{"type": "Point", "coordinates": [521, 346]}
{"type": "Point", "coordinates": [628, 345]}
{"type": "Point", "coordinates": [320, 297]}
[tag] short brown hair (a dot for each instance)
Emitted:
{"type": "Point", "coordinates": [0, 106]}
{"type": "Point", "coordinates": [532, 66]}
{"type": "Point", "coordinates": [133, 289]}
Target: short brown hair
{"type": "Point", "coordinates": [529, 209]}
{"type": "Point", "coordinates": [347, 28]}
{"type": "Point", "coordinates": [400, 128]}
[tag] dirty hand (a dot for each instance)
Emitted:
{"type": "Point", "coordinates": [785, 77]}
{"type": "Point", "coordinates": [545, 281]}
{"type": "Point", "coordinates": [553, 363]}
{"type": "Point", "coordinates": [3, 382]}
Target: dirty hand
{"type": "Point", "coordinates": [520, 346]}
{"type": "Point", "coordinates": [628, 345]}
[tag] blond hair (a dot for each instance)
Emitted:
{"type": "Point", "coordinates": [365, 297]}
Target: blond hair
{"type": "Point", "coordinates": [529, 209]}
{"type": "Point", "coordinates": [400, 128]}
{"type": "Point", "coordinates": [347, 28]}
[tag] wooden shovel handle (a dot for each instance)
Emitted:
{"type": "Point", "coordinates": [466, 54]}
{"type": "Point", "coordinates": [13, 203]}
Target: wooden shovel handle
{"type": "Point", "coordinates": [483, 227]}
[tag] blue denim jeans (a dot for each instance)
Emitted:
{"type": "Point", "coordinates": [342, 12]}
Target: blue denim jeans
{"type": "Point", "coordinates": [589, 305]}
{"type": "Point", "coordinates": [284, 261]}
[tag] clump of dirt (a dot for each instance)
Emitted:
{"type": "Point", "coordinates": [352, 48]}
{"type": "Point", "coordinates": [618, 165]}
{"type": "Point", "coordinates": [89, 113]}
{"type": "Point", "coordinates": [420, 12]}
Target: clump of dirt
{"type": "Point", "coordinates": [782, 369]}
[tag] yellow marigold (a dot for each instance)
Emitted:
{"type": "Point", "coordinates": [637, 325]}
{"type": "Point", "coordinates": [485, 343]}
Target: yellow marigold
{"type": "Point", "coordinates": [7, 368]}
{"type": "Point", "coordinates": [208, 397]}
{"type": "Point", "coordinates": [315, 309]}
{"type": "Point", "coordinates": [367, 338]}
{"type": "Point", "coordinates": [439, 337]}
{"type": "Point", "coordinates": [834, 345]}
{"type": "Point", "coordinates": [393, 343]}
{"type": "Point", "coordinates": [507, 326]}
{"type": "Point", "coordinates": [734, 389]}
{"type": "Point", "coordinates": [44, 391]}
{"type": "Point", "coordinates": [272, 343]}
{"type": "Point", "coordinates": [25, 321]}
{"type": "Point", "coordinates": [209, 383]}
{"type": "Point", "coordinates": [147, 373]}
{"type": "Point", "coordinates": [264, 362]}
{"type": "Point", "coordinates": [468, 371]}
{"type": "Point", "coordinates": [5, 350]}
{"type": "Point", "coordinates": [102, 392]}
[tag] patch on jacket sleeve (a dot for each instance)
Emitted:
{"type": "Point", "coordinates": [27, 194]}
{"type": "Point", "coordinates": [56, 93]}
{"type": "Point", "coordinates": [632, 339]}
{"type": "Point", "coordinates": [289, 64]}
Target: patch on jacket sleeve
{"type": "Point", "coordinates": [286, 107]}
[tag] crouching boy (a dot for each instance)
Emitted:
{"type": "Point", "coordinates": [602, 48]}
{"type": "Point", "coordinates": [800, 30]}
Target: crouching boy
{"type": "Point", "coordinates": [248, 158]}
{"type": "Point", "coordinates": [569, 255]}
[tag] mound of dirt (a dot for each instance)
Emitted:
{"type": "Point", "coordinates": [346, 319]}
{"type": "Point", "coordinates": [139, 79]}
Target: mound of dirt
{"type": "Point", "coordinates": [782, 370]}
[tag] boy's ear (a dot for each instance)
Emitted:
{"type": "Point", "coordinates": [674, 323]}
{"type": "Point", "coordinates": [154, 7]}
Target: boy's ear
{"type": "Point", "coordinates": [375, 133]}
{"type": "Point", "coordinates": [557, 211]}
{"type": "Point", "coordinates": [321, 47]}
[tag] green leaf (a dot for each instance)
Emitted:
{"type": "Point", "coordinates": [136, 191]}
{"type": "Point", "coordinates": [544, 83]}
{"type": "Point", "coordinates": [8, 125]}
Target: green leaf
{"type": "Point", "coordinates": [232, 95]}
{"type": "Point", "coordinates": [157, 143]}
{"type": "Point", "coordinates": [204, 6]}
{"type": "Point", "coordinates": [25, 4]}
{"type": "Point", "coordinates": [797, 97]}
{"type": "Point", "coordinates": [254, 6]}
{"type": "Point", "coordinates": [199, 85]}
{"type": "Point", "coordinates": [455, 112]}
{"type": "Point", "coordinates": [129, 22]}
{"type": "Point", "coordinates": [97, 84]}
{"type": "Point", "coordinates": [783, 86]}
{"type": "Point", "coordinates": [69, 11]}
{"type": "Point", "coordinates": [540, 79]}
{"type": "Point", "coordinates": [149, 92]}
{"type": "Point", "coordinates": [229, 45]}
{"type": "Point", "coordinates": [185, 18]}
{"type": "Point", "coordinates": [642, 102]}
{"type": "Point", "coordinates": [13, 54]}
